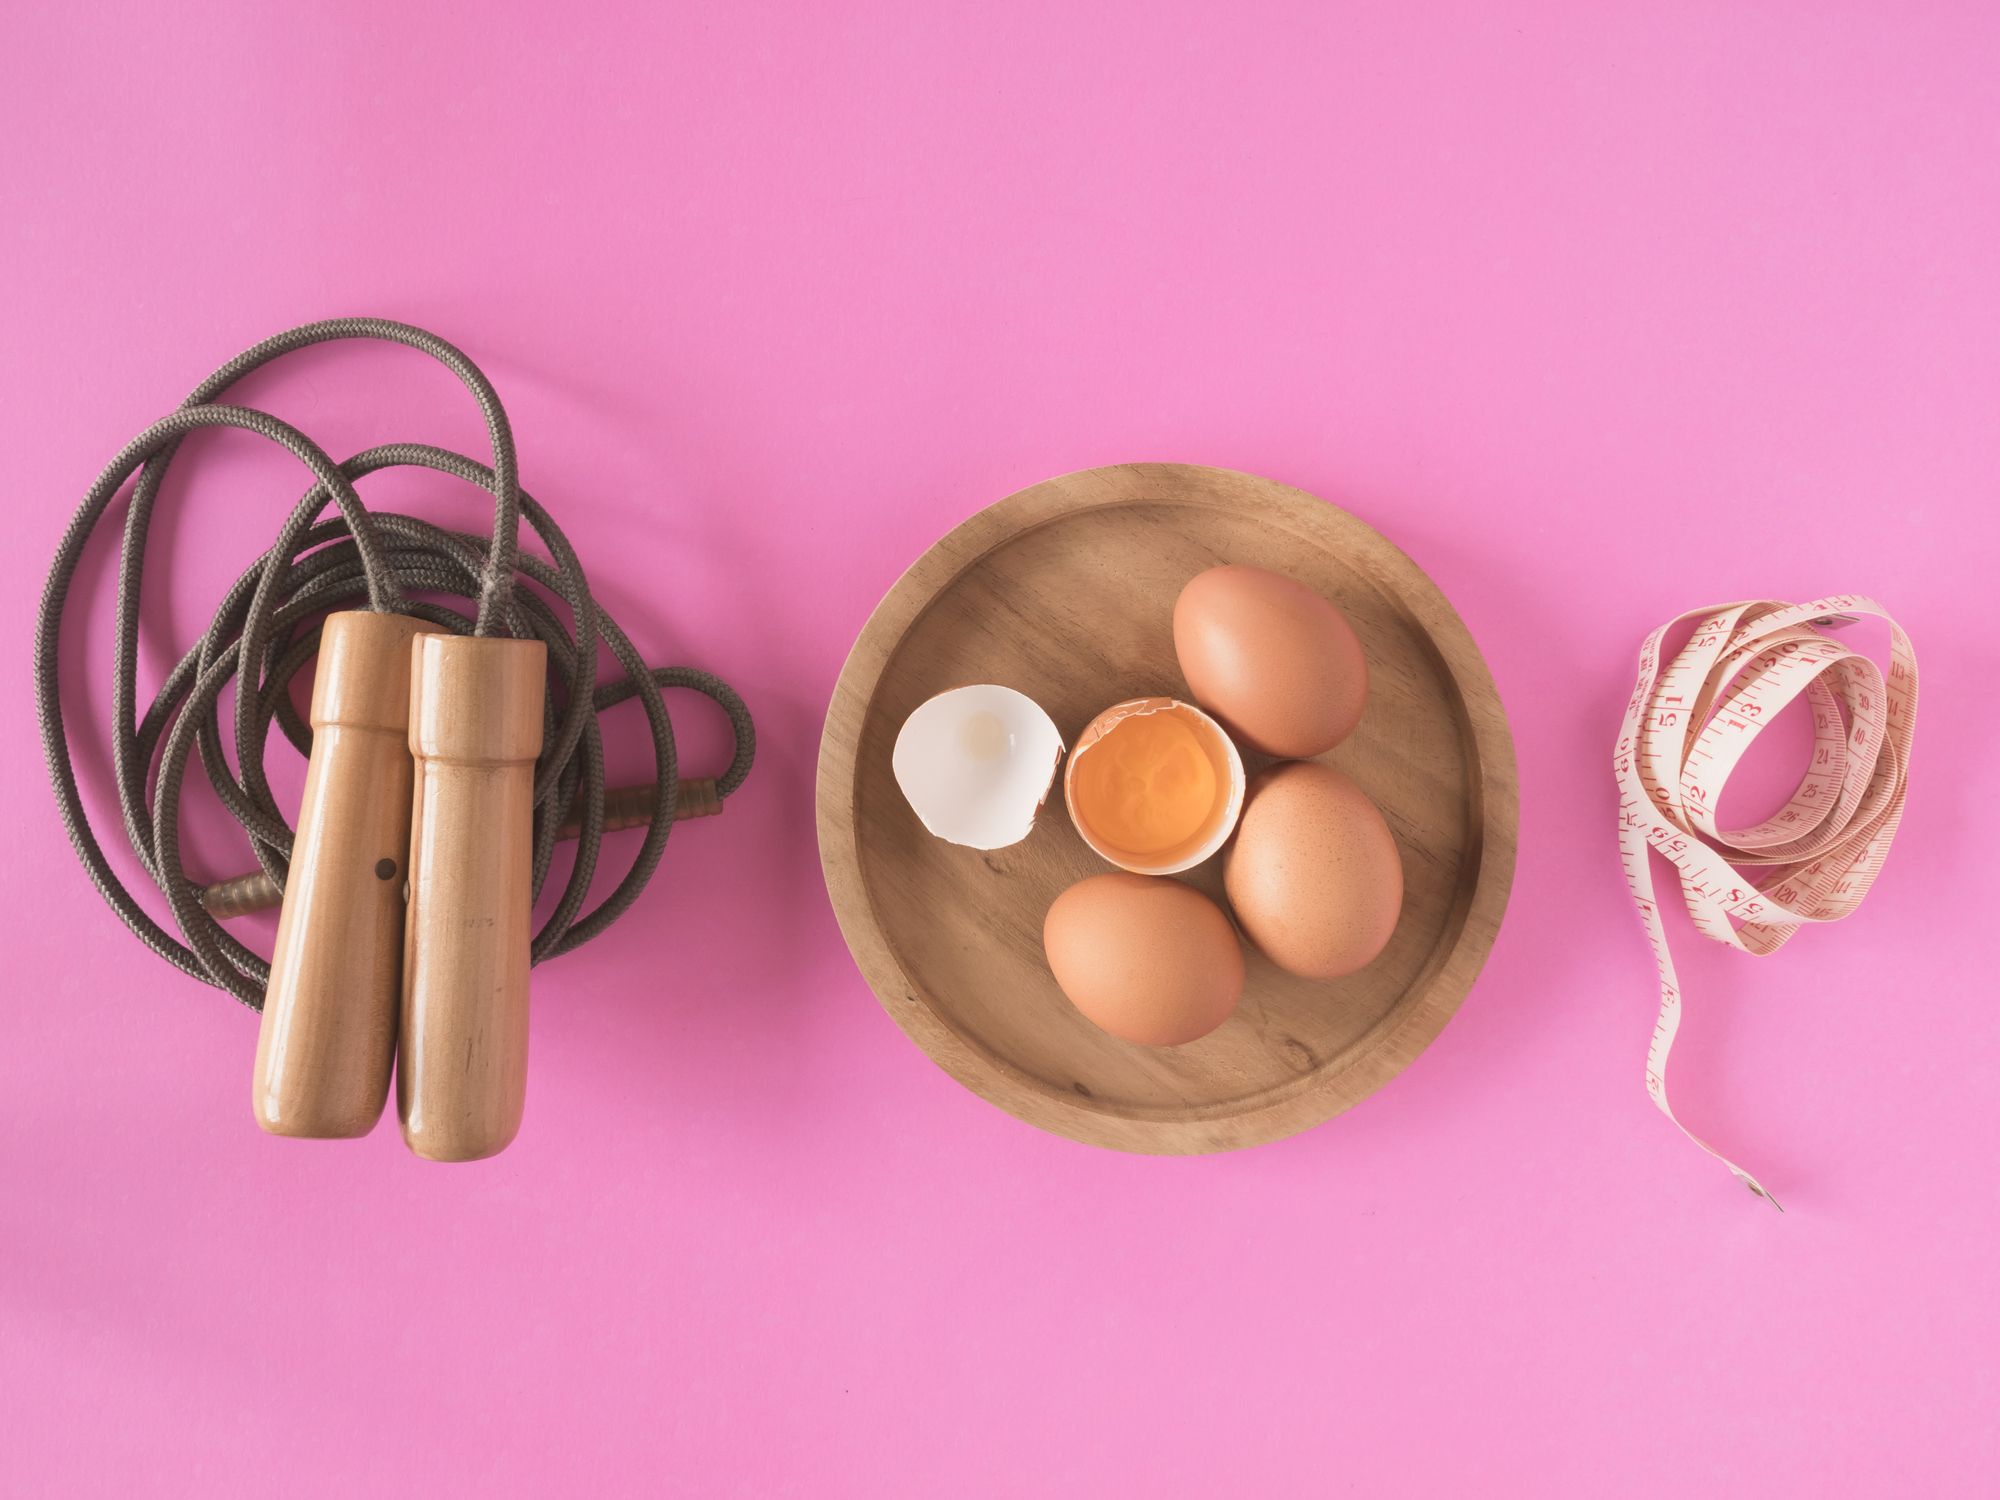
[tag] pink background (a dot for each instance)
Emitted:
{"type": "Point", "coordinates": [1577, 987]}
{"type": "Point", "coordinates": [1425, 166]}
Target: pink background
{"type": "Point", "coordinates": [1601, 315]}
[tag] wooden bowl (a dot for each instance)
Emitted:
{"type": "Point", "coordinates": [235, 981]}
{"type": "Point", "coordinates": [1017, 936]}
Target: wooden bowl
{"type": "Point", "coordinates": [1066, 592]}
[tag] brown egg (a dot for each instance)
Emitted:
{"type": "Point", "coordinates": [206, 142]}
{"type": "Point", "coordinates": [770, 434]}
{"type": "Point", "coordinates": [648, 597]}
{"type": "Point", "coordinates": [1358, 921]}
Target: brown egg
{"type": "Point", "coordinates": [1146, 958]}
{"type": "Point", "coordinates": [1313, 875]}
{"type": "Point", "coordinates": [1276, 662]}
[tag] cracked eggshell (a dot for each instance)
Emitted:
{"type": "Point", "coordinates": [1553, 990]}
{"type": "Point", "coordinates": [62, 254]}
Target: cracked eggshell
{"type": "Point", "coordinates": [1221, 821]}
{"type": "Point", "coordinates": [976, 764]}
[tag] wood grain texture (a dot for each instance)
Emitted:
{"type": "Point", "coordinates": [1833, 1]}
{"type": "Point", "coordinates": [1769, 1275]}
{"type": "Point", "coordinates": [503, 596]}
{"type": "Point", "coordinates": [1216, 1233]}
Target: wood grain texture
{"type": "Point", "coordinates": [1066, 591]}
{"type": "Point", "coordinates": [327, 1038]}
{"type": "Point", "coordinates": [624, 807]}
{"type": "Point", "coordinates": [475, 730]}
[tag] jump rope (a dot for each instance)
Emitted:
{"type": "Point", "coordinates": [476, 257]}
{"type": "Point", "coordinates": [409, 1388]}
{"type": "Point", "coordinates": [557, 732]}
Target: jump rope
{"type": "Point", "coordinates": [269, 625]}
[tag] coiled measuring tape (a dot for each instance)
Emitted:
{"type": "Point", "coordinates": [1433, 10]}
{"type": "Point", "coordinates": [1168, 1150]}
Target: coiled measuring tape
{"type": "Point", "coordinates": [1688, 726]}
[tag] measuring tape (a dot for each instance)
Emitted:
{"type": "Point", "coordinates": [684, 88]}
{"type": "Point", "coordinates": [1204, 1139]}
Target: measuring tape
{"type": "Point", "coordinates": [1688, 726]}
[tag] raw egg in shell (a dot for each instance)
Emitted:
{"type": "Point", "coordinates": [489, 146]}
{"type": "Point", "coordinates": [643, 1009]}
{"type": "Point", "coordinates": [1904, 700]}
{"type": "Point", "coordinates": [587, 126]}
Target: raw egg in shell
{"type": "Point", "coordinates": [1275, 661]}
{"type": "Point", "coordinates": [1314, 876]}
{"type": "Point", "coordinates": [1154, 785]}
{"type": "Point", "coordinates": [1149, 960]}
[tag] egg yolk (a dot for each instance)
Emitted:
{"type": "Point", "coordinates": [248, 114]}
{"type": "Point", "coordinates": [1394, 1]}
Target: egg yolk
{"type": "Point", "coordinates": [1148, 785]}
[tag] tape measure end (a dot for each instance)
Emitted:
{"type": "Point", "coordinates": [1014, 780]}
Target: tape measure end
{"type": "Point", "coordinates": [1758, 1188]}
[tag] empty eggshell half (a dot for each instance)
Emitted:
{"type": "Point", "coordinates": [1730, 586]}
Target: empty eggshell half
{"type": "Point", "coordinates": [976, 763]}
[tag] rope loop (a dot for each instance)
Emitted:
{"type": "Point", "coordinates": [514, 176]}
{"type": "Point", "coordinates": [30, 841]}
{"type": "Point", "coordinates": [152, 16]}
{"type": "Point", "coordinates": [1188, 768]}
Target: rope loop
{"type": "Point", "coordinates": [267, 627]}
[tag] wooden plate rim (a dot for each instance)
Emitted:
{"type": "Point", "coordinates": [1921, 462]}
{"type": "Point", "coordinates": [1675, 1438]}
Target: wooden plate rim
{"type": "Point", "coordinates": [1376, 1057]}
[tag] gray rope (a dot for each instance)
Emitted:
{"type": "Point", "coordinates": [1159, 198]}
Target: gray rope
{"type": "Point", "coordinates": [266, 628]}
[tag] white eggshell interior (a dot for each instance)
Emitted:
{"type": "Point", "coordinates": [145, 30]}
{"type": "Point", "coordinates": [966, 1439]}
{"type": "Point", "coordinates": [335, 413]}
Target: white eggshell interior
{"type": "Point", "coordinates": [976, 764]}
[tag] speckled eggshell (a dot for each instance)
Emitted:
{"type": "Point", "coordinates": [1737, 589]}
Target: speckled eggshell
{"type": "Point", "coordinates": [1313, 875]}
{"type": "Point", "coordinates": [1276, 662]}
{"type": "Point", "coordinates": [1144, 957]}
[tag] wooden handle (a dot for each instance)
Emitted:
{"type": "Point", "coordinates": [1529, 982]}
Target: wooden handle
{"type": "Point", "coordinates": [475, 730]}
{"type": "Point", "coordinates": [328, 1034]}
{"type": "Point", "coordinates": [624, 807]}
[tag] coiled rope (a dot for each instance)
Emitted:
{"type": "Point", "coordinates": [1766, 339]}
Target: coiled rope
{"type": "Point", "coordinates": [267, 627]}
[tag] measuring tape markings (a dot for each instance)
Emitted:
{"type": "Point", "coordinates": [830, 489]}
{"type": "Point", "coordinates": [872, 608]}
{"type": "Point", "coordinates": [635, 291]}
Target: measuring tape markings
{"type": "Point", "coordinates": [1817, 855]}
